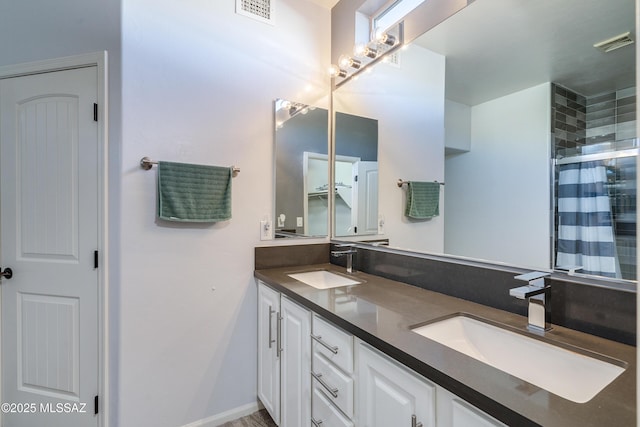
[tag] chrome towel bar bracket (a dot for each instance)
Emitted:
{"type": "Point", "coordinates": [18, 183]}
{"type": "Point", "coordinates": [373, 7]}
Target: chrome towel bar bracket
{"type": "Point", "coordinates": [401, 183]}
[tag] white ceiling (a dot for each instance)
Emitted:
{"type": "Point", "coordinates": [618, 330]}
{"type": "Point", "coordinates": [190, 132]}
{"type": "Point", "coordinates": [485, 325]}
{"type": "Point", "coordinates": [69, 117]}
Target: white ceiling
{"type": "Point", "coordinates": [496, 47]}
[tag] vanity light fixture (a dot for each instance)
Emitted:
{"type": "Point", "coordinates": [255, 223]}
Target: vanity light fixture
{"type": "Point", "coordinates": [335, 71]}
{"type": "Point", "coordinates": [347, 61]}
{"type": "Point", "coordinates": [363, 50]}
{"type": "Point", "coordinates": [370, 53]}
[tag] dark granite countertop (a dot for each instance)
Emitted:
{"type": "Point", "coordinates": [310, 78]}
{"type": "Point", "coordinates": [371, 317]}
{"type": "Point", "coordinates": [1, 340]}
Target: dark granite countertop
{"type": "Point", "coordinates": [381, 313]}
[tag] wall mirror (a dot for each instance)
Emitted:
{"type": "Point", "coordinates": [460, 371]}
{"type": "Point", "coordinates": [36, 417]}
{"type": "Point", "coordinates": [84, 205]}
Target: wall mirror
{"type": "Point", "coordinates": [355, 175]}
{"type": "Point", "coordinates": [491, 103]}
{"type": "Point", "coordinates": [301, 170]}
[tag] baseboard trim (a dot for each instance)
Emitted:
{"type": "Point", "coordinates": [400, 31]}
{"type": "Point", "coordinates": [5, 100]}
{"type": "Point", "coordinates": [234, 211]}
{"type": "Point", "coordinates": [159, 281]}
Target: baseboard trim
{"type": "Point", "coordinates": [230, 415]}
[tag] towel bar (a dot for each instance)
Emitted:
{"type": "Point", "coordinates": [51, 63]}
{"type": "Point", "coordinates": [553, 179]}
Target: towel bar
{"type": "Point", "coordinates": [146, 164]}
{"type": "Point", "coordinates": [401, 183]}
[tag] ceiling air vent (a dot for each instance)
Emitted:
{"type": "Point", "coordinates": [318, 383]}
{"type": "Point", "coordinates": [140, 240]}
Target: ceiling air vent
{"type": "Point", "coordinates": [615, 42]}
{"type": "Point", "coordinates": [260, 10]}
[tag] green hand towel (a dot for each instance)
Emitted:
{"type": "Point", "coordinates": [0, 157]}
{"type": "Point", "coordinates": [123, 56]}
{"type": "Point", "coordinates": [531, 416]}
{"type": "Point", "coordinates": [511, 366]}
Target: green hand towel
{"type": "Point", "coordinates": [193, 193]}
{"type": "Point", "coordinates": [423, 200]}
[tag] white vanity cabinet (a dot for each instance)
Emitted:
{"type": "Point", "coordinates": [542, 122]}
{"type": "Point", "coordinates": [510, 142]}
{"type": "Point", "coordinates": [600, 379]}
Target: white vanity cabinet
{"type": "Point", "coordinates": [332, 375]}
{"type": "Point", "coordinates": [455, 412]}
{"type": "Point", "coordinates": [268, 354]}
{"type": "Point", "coordinates": [389, 394]}
{"type": "Point", "coordinates": [284, 358]}
{"type": "Point", "coordinates": [325, 413]}
{"type": "Point", "coordinates": [311, 372]}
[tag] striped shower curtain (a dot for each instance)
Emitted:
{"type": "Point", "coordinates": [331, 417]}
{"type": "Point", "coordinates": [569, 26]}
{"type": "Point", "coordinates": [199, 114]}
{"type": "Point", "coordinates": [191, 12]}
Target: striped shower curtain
{"type": "Point", "coordinates": [585, 227]}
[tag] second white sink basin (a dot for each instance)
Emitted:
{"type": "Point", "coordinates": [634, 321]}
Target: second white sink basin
{"type": "Point", "coordinates": [569, 374]}
{"type": "Point", "coordinates": [323, 279]}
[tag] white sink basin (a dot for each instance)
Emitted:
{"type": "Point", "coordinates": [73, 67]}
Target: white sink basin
{"type": "Point", "coordinates": [323, 279]}
{"type": "Point", "coordinates": [571, 375]}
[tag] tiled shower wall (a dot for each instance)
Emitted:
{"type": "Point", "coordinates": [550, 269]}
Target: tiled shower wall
{"type": "Point", "coordinates": [581, 124]}
{"type": "Point", "coordinates": [605, 122]}
{"type": "Point", "coordinates": [612, 116]}
{"type": "Point", "coordinates": [568, 121]}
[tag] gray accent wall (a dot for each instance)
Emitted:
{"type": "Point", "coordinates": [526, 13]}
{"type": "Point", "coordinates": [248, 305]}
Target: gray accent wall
{"type": "Point", "coordinates": [356, 136]}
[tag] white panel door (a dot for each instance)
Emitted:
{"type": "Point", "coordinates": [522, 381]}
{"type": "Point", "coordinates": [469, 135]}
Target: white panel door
{"type": "Point", "coordinates": [295, 389]}
{"type": "Point", "coordinates": [49, 235]}
{"type": "Point", "coordinates": [367, 197]}
{"type": "Point", "coordinates": [269, 350]}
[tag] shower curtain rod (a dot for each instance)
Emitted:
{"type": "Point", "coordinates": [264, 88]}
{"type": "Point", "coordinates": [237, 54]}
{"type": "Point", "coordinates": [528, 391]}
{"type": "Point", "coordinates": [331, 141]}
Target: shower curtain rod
{"type": "Point", "coordinates": [597, 156]}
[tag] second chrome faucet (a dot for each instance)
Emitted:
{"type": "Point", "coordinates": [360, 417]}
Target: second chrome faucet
{"type": "Point", "coordinates": [348, 251]}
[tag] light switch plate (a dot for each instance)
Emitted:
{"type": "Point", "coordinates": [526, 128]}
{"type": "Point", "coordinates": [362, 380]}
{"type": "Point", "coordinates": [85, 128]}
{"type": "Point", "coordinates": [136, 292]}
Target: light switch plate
{"type": "Point", "coordinates": [299, 221]}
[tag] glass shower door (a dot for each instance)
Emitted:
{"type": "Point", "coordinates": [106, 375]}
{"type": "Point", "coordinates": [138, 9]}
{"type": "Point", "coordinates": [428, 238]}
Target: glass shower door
{"type": "Point", "coordinates": [595, 215]}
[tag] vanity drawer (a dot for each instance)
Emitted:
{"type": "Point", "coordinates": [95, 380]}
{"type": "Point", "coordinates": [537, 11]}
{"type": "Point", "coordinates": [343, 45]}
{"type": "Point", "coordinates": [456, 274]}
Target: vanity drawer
{"type": "Point", "coordinates": [324, 414]}
{"type": "Point", "coordinates": [335, 384]}
{"type": "Point", "coordinates": [333, 343]}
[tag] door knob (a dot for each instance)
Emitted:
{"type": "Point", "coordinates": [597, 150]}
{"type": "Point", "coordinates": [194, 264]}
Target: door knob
{"type": "Point", "coordinates": [7, 273]}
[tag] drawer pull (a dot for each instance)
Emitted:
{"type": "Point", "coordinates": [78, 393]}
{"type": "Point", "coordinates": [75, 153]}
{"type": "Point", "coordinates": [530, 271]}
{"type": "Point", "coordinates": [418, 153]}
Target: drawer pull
{"type": "Point", "coordinates": [316, 423]}
{"type": "Point", "coordinates": [333, 391]}
{"type": "Point", "coordinates": [414, 422]}
{"type": "Point", "coordinates": [332, 349]}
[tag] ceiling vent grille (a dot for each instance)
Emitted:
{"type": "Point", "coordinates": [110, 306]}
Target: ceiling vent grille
{"type": "Point", "coordinates": [260, 10]}
{"type": "Point", "coordinates": [615, 42]}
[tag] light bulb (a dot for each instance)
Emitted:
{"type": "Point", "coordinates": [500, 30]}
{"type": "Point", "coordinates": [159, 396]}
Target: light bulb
{"type": "Point", "coordinates": [335, 71]}
{"type": "Point", "coordinates": [363, 50]}
{"type": "Point", "coordinates": [387, 39]}
{"type": "Point", "coordinates": [346, 62]}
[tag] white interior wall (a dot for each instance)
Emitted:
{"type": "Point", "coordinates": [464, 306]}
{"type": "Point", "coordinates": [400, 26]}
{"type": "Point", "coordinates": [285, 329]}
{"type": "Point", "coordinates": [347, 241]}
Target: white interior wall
{"type": "Point", "coordinates": [408, 102]}
{"type": "Point", "coordinates": [509, 155]}
{"type": "Point", "coordinates": [199, 84]}
{"type": "Point", "coordinates": [457, 125]}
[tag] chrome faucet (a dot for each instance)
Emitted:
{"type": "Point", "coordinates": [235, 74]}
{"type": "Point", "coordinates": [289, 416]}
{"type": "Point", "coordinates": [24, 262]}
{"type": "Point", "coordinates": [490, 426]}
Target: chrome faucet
{"type": "Point", "coordinates": [536, 292]}
{"type": "Point", "coordinates": [348, 253]}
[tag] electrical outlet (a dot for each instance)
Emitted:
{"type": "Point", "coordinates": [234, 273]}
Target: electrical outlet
{"type": "Point", "coordinates": [380, 224]}
{"type": "Point", "coordinates": [265, 230]}
{"type": "Point", "coordinates": [299, 221]}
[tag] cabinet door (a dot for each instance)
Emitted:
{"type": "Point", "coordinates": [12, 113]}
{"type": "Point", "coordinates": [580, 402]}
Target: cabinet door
{"type": "Point", "coordinates": [268, 354]}
{"type": "Point", "coordinates": [453, 411]}
{"type": "Point", "coordinates": [295, 364]}
{"type": "Point", "coordinates": [391, 395]}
